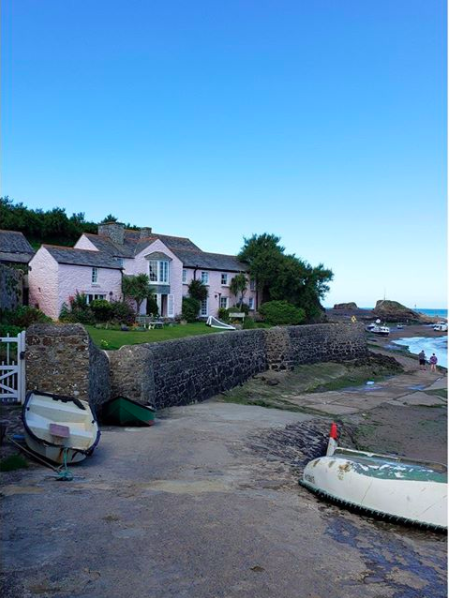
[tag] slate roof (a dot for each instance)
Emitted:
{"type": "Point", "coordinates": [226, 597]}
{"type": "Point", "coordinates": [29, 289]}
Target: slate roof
{"type": "Point", "coordinates": [14, 247]}
{"type": "Point", "coordinates": [82, 257]}
{"type": "Point", "coordinates": [211, 261]}
{"type": "Point", "coordinates": [190, 254]}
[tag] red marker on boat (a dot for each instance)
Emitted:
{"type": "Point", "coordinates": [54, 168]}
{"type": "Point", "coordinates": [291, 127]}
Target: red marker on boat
{"type": "Point", "coordinates": [333, 440]}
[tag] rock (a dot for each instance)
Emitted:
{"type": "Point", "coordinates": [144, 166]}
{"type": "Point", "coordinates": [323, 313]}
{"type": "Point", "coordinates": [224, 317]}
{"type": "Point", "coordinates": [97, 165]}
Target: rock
{"type": "Point", "coordinates": [345, 306]}
{"type": "Point", "coordinates": [392, 311]}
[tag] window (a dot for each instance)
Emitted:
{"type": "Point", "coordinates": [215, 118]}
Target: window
{"type": "Point", "coordinates": [91, 297]}
{"type": "Point", "coordinates": [223, 279]}
{"type": "Point", "coordinates": [121, 261]}
{"type": "Point", "coordinates": [184, 276]}
{"type": "Point", "coordinates": [224, 302]}
{"type": "Point", "coordinates": [159, 271]}
{"type": "Point", "coordinates": [94, 275]}
{"type": "Point", "coordinates": [204, 277]}
{"type": "Point", "coordinates": [251, 303]}
{"type": "Point", "coordinates": [252, 285]}
{"type": "Point", "coordinates": [204, 307]}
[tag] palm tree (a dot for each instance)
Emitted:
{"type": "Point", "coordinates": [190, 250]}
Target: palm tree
{"type": "Point", "coordinates": [238, 286]}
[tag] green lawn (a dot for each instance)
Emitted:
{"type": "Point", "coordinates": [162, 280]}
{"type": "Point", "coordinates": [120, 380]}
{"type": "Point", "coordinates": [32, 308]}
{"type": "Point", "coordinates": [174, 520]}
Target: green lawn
{"type": "Point", "coordinates": [117, 338]}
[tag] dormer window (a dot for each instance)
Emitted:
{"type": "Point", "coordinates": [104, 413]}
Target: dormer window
{"type": "Point", "coordinates": [159, 271]}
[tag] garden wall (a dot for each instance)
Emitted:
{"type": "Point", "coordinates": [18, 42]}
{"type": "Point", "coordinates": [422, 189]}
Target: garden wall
{"type": "Point", "coordinates": [62, 359]}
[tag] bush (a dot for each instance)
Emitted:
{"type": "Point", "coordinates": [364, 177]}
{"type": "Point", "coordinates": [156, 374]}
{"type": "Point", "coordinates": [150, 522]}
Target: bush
{"type": "Point", "coordinates": [84, 316]}
{"type": "Point", "coordinates": [152, 306]}
{"type": "Point", "coordinates": [190, 309]}
{"type": "Point", "coordinates": [197, 290]}
{"type": "Point", "coordinates": [122, 312]}
{"type": "Point", "coordinates": [101, 308]}
{"type": "Point", "coordinates": [9, 330]}
{"type": "Point", "coordinates": [282, 313]}
{"type": "Point", "coordinates": [23, 317]}
{"type": "Point", "coordinates": [249, 324]}
{"type": "Point", "coordinates": [223, 314]}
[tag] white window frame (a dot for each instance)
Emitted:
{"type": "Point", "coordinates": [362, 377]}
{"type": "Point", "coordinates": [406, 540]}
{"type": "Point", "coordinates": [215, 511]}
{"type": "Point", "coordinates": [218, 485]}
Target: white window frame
{"type": "Point", "coordinates": [162, 274]}
{"type": "Point", "coordinates": [204, 277]}
{"type": "Point", "coordinates": [226, 299]}
{"type": "Point", "coordinates": [251, 303]}
{"type": "Point", "coordinates": [184, 276]}
{"type": "Point", "coordinates": [225, 276]}
{"type": "Point", "coordinates": [94, 297]}
{"type": "Point", "coordinates": [94, 275]}
{"type": "Point", "coordinates": [203, 304]}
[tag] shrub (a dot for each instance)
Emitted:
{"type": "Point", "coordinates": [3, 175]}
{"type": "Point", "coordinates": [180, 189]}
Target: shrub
{"type": "Point", "coordinates": [9, 329]}
{"type": "Point", "coordinates": [282, 313]}
{"type": "Point", "coordinates": [197, 290]}
{"type": "Point", "coordinates": [223, 314]}
{"type": "Point", "coordinates": [190, 309]}
{"type": "Point", "coordinates": [104, 344]}
{"type": "Point", "coordinates": [84, 316]}
{"type": "Point", "coordinates": [23, 316]}
{"type": "Point", "coordinates": [101, 308]}
{"type": "Point", "coordinates": [152, 306]}
{"type": "Point", "coordinates": [122, 312]}
{"type": "Point", "coordinates": [248, 323]}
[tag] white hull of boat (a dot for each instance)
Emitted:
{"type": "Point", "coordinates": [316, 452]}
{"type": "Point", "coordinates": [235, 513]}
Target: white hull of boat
{"type": "Point", "coordinates": [409, 491]}
{"type": "Point", "coordinates": [43, 412]}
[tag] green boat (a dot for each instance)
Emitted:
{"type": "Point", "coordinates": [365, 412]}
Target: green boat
{"type": "Point", "coordinates": [125, 412]}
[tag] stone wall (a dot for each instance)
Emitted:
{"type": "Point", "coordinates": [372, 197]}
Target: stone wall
{"type": "Point", "coordinates": [11, 287]}
{"type": "Point", "coordinates": [181, 371]}
{"type": "Point", "coordinates": [62, 359]}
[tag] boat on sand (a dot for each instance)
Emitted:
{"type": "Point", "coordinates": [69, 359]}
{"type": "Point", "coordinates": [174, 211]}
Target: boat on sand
{"type": "Point", "coordinates": [400, 489]}
{"type": "Point", "coordinates": [61, 429]}
{"type": "Point", "coordinates": [121, 411]}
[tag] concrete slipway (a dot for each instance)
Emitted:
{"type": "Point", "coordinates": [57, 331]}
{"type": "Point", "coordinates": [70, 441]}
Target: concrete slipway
{"type": "Point", "coordinates": [204, 505]}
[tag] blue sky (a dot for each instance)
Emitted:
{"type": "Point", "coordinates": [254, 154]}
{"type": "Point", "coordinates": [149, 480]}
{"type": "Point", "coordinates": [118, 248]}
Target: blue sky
{"type": "Point", "coordinates": [323, 122]}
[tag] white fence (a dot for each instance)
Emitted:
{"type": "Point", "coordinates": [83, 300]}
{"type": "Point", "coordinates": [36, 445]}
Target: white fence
{"type": "Point", "coordinates": [12, 368]}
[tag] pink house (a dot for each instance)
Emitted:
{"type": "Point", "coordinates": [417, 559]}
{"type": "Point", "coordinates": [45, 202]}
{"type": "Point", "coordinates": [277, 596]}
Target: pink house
{"type": "Point", "coordinates": [96, 264]}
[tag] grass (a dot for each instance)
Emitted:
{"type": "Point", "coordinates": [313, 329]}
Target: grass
{"type": "Point", "coordinates": [118, 338]}
{"type": "Point", "coordinates": [13, 462]}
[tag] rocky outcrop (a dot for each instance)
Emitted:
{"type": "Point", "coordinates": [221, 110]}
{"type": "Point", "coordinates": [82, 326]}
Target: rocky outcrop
{"type": "Point", "coordinates": [345, 306]}
{"type": "Point", "coordinates": [392, 311]}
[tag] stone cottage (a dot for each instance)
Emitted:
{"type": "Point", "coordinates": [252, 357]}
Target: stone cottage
{"type": "Point", "coordinates": [96, 264]}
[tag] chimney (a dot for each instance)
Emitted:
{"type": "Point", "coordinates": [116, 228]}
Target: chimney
{"type": "Point", "coordinates": [112, 230]}
{"type": "Point", "coordinates": [145, 232]}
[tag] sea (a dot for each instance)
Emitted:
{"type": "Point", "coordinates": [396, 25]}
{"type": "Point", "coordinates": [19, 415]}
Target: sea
{"type": "Point", "coordinates": [429, 345]}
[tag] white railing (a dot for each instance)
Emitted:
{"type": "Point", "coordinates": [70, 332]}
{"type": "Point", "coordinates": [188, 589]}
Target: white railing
{"type": "Point", "coordinates": [12, 368]}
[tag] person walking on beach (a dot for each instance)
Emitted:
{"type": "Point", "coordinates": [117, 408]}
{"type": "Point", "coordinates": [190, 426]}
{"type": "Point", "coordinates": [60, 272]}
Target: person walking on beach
{"type": "Point", "coordinates": [422, 360]}
{"type": "Point", "coordinates": [433, 361]}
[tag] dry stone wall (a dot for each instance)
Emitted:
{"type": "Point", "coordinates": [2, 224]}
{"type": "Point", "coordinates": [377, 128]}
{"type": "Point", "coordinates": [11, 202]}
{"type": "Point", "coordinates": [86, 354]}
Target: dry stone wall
{"type": "Point", "coordinates": [62, 359]}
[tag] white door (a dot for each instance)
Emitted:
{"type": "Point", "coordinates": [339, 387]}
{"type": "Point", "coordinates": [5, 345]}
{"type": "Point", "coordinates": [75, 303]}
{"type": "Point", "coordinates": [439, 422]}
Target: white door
{"type": "Point", "coordinates": [170, 306]}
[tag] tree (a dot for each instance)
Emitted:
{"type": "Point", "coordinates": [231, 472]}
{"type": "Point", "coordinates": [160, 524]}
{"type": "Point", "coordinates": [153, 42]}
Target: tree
{"type": "Point", "coordinates": [197, 290]}
{"type": "Point", "coordinates": [282, 277]}
{"type": "Point", "coordinates": [109, 218]}
{"type": "Point", "coordinates": [238, 286]}
{"type": "Point", "coordinates": [137, 288]}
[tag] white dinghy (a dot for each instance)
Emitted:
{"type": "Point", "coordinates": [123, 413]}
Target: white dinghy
{"type": "Point", "coordinates": [61, 429]}
{"type": "Point", "coordinates": [215, 323]}
{"type": "Point", "coordinates": [400, 489]}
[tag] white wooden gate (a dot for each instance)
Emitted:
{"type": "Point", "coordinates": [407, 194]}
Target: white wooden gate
{"type": "Point", "coordinates": [12, 368]}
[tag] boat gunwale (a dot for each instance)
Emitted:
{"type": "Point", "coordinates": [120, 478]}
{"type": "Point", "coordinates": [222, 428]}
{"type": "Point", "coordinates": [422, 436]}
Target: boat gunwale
{"type": "Point", "coordinates": [149, 407]}
{"type": "Point", "coordinates": [28, 397]}
{"type": "Point", "coordinates": [370, 512]}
